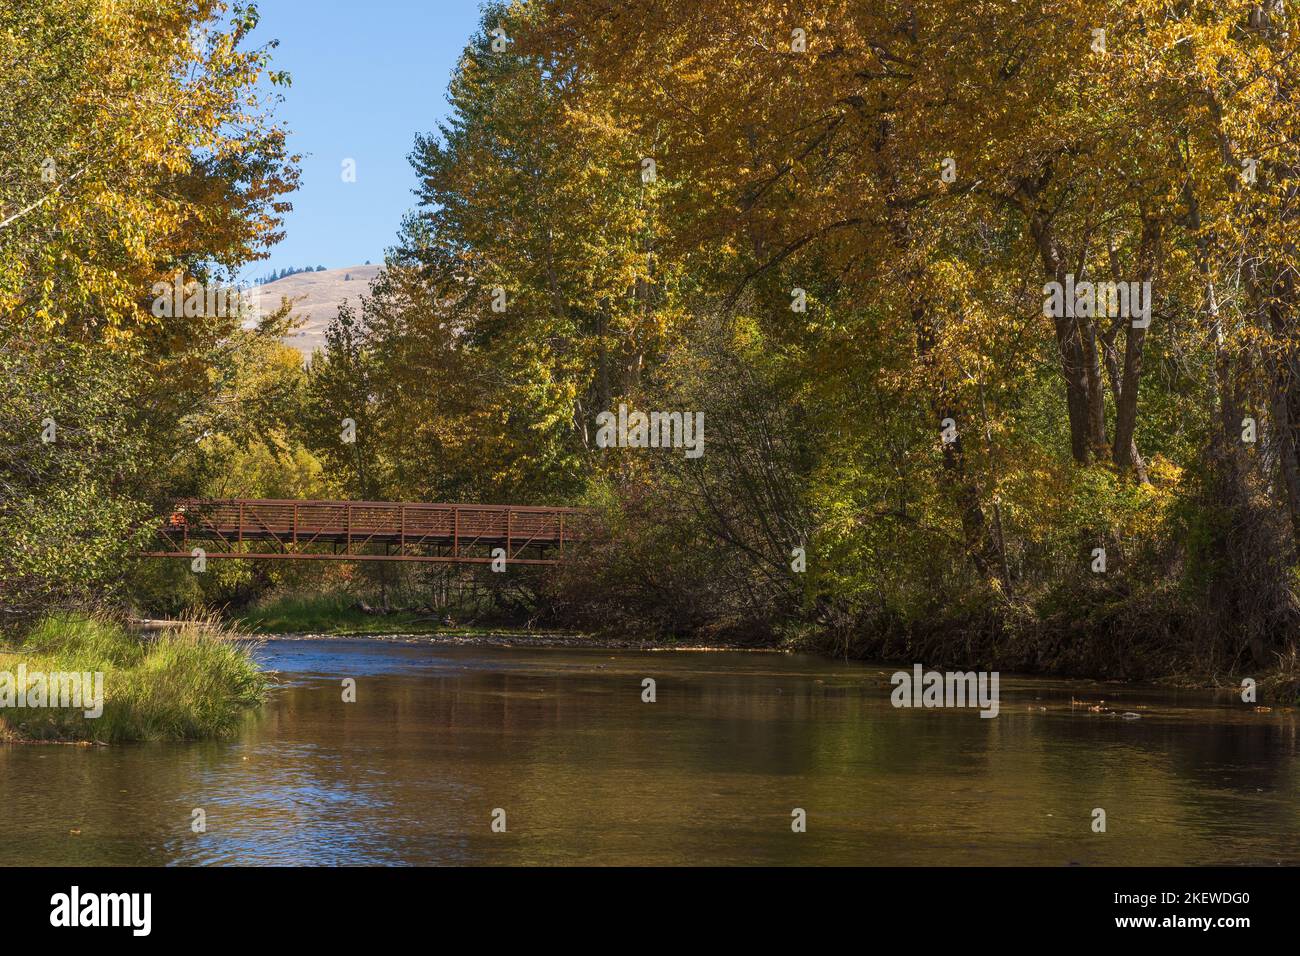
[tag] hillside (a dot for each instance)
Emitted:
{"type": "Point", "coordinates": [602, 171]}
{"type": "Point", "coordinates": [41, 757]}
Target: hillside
{"type": "Point", "coordinates": [317, 297]}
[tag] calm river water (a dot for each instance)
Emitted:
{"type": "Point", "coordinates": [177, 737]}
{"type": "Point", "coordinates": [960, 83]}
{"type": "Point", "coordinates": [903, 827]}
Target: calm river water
{"type": "Point", "coordinates": [441, 736]}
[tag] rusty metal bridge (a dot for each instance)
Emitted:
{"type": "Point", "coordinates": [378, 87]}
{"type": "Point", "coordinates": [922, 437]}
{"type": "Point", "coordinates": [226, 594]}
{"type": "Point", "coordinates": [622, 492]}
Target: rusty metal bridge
{"type": "Point", "coordinates": [285, 529]}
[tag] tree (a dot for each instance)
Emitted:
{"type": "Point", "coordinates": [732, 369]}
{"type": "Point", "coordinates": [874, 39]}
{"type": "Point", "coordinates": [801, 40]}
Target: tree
{"type": "Point", "coordinates": [337, 419]}
{"type": "Point", "coordinates": [135, 153]}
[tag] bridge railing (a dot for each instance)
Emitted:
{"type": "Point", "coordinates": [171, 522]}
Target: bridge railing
{"type": "Point", "coordinates": [289, 524]}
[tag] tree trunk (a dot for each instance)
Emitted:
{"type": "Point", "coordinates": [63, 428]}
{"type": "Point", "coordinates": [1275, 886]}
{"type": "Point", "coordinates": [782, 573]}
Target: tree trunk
{"type": "Point", "coordinates": [1081, 396]}
{"type": "Point", "coordinates": [1126, 458]}
{"type": "Point", "coordinates": [1134, 338]}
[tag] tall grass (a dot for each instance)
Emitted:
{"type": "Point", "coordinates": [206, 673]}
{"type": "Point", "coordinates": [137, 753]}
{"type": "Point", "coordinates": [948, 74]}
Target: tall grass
{"type": "Point", "coordinates": [329, 613]}
{"type": "Point", "coordinates": [188, 683]}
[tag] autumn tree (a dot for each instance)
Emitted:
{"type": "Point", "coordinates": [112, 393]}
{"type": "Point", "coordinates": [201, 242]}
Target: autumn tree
{"type": "Point", "coordinates": [137, 150]}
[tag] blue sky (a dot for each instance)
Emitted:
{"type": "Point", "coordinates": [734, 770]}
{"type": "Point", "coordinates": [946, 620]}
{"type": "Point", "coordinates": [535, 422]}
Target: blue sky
{"type": "Point", "coordinates": [367, 76]}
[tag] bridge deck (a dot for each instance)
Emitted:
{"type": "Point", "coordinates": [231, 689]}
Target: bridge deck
{"type": "Point", "coordinates": [282, 528]}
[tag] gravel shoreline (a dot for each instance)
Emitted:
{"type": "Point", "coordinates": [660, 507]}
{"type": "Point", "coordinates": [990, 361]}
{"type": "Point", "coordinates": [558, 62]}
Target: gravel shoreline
{"type": "Point", "coordinates": [536, 640]}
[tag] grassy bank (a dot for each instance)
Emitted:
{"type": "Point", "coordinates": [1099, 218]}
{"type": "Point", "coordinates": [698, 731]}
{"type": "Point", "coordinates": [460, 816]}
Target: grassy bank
{"type": "Point", "coordinates": [189, 683]}
{"type": "Point", "coordinates": [330, 613]}
{"type": "Point", "coordinates": [341, 614]}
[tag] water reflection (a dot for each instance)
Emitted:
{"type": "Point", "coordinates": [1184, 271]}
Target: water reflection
{"type": "Point", "coordinates": [586, 772]}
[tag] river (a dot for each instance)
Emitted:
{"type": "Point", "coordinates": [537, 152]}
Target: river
{"type": "Point", "coordinates": [441, 736]}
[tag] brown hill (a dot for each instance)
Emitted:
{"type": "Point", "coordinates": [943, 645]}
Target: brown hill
{"type": "Point", "coordinates": [317, 297]}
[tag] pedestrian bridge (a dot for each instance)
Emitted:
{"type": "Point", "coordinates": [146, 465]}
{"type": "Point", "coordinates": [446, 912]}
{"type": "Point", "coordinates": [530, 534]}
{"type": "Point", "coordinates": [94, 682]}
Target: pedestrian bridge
{"type": "Point", "coordinates": [262, 529]}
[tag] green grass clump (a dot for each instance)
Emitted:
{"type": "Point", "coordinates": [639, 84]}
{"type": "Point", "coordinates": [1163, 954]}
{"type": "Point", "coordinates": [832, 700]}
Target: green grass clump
{"type": "Point", "coordinates": [330, 613]}
{"type": "Point", "coordinates": [188, 683]}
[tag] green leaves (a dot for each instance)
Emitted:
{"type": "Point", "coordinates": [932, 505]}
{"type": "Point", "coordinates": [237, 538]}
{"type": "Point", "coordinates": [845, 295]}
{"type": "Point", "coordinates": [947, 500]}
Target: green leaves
{"type": "Point", "coordinates": [69, 517]}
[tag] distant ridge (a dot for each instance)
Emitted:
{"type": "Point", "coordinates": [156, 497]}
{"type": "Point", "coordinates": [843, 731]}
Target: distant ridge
{"type": "Point", "coordinates": [319, 295]}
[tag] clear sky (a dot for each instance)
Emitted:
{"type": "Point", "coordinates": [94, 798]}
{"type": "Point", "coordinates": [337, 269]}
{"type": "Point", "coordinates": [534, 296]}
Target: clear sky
{"type": "Point", "coordinates": [367, 76]}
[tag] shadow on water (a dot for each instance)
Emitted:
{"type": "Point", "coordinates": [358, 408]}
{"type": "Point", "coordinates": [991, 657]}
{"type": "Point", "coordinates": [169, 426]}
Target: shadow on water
{"type": "Point", "coordinates": [440, 736]}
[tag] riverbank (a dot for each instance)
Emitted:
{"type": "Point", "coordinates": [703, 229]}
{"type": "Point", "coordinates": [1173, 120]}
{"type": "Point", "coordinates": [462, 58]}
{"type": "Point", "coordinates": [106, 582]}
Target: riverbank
{"type": "Point", "coordinates": [343, 616]}
{"type": "Point", "coordinates": [541, 639]}
{"type": "Point", "coordinates": [1101, 649]}
{"type": "Point", "coordinates": [1271, 687]}
{"type": "Point", "coordinates": [186, 683]}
